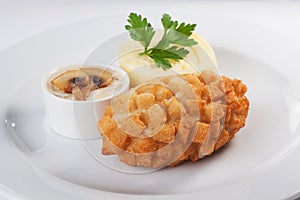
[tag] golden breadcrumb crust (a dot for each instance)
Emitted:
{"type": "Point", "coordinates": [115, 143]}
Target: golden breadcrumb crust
{"type": "Point", "coordinates": [172, 122]}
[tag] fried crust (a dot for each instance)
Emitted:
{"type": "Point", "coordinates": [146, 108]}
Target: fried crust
{"type": "Point", "coordinates": [222, 111]}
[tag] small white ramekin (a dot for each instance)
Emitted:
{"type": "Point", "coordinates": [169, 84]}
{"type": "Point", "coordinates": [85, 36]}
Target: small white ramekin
{"type": "Point", "coordinates": [78, 119]}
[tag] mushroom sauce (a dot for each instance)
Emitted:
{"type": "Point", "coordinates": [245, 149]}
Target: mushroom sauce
{"type": "Point", "coordinates": [89, 94]}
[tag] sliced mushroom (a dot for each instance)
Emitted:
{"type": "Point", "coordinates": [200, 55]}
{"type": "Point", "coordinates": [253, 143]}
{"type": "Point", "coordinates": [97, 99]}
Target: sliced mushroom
{"type": "Point", "coordinates": [79, 94]}
{"type": "Point", "coordinates": [99, 78]}
{"type": "Point", "coordinates": [81, 82]}
{"type": "Point", "coordinates": [71, 79]}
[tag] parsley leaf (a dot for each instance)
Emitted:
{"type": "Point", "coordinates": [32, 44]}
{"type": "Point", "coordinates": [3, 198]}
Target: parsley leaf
{"type": "Point", "coordinates": [166, 21]}
{"type": "Point", "coordinates": [174, 34]}
{"type": "Point", "coordinates": [162, 63]}
{"type": "Point", "coordinates": [161, 56]}
{"type": "Point", "coordinates": [140, 30]}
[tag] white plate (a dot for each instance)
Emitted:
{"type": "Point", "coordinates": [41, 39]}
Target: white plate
{"type": "Point", "coordinates": [262, 162]}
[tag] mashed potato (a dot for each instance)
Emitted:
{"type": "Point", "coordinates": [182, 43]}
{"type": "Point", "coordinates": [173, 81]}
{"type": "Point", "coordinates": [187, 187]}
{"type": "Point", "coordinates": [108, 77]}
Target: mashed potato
{"type": "Point", "coordinates": [142, 68]}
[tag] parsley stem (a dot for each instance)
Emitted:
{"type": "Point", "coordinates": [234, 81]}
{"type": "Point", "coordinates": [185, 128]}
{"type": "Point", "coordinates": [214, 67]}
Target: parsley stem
{"type": "Point", "coordinates": [145, 52]}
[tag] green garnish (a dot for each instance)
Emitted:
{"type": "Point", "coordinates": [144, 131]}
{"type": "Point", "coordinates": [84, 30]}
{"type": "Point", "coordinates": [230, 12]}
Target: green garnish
{"type": "Point", "coordinates": [165, 50]}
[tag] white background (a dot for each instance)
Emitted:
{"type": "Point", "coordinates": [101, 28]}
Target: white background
{"type": "Point", "coordinates": [22, 19]}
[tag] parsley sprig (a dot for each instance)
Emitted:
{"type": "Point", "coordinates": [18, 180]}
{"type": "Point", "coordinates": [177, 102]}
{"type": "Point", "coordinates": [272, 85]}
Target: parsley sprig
{"type": "Point", "coordinates": [171, 46]}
